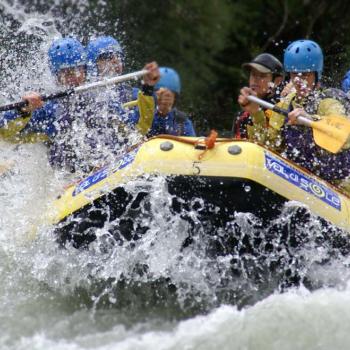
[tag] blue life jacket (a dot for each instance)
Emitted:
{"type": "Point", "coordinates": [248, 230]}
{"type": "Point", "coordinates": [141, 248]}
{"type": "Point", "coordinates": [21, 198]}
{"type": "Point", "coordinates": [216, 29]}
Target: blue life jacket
{"type": "Point", "coordinates": [41, 121]}
{"type": "Point", "coordinates": [174, 123]}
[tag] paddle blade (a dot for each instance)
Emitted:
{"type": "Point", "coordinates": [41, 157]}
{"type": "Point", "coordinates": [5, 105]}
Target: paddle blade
{"type": "Point", "coordinates": [331, 132]}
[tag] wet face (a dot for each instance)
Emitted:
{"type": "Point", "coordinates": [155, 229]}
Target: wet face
{"type": "Point", "coordinates": [303, 82]}
{"type": "Point", "coordinates": [261, 83]}
{"type": "Point", "coordinates": [109, 66]}
{"type": "Point", "coordinates": [72, 77]}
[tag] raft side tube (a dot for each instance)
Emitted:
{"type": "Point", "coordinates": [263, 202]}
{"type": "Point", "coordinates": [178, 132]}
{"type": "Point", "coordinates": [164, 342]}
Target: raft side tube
{"type": "Point", "coordinates": [237, 161]}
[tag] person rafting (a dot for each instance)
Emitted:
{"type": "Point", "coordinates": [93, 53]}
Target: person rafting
{"type": "Point", "coordinates": [62, 122]}
{"type": "Point", "coordinates": [39, 122]}
{"type": "Point", "coordinates": [105, 59]}
{"type": "Point", "coordinates": [265, 81]}
{"type": "Point", "coordinates": [303, 61]}
{"type": "Point", "coordinates": [168, 119]}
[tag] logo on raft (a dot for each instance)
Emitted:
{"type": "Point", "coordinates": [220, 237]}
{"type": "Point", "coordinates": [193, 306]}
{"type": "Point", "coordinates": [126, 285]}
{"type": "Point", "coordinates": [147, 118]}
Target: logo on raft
{"type": "Point", "coordinates": [302, 181]}
{"type": "Point", "coordinates": [104, 172]}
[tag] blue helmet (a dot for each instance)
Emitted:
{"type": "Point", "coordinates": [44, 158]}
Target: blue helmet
{"type": "Point", "coordinates": [99, 46]}
{"type": "Point", "coordinates": [66, 53]}
{"type": "Point", "coordinates": [304, 56]}
{"type": "Point", "coordinates": [345, 85]}
{"type": "Point", "coordinates": [169, 79]}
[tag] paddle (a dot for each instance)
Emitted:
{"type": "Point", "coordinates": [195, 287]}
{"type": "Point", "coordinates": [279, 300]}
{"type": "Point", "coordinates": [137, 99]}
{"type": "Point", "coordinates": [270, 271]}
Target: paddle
{"type": "Point", "coordinates": [331, 132]}
{"type": "Point", "coordinates": [79, 89]}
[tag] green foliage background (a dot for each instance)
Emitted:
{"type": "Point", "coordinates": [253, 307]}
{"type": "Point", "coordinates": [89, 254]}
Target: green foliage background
{"type": "Point", "coordinates": [208, 40]}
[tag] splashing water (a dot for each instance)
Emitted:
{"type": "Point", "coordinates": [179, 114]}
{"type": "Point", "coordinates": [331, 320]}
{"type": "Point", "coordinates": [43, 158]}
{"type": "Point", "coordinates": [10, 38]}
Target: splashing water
{"type": "Point", "coordinates": [173, 287]}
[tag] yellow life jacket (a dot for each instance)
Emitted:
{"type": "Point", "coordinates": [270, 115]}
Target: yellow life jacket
{"type": "Point", "coordinates": [12, 132]}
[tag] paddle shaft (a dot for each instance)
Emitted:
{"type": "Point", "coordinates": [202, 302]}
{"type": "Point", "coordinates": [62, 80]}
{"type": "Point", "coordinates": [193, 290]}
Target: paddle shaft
{"type": "Point", "coordinates": [79, 89]}
{"type": "Point", "coordinates": [301, 120]}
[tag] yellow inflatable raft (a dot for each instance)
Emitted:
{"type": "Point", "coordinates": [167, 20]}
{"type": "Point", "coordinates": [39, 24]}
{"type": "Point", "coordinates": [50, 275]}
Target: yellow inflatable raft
{"type": "Point", "coordinates": [234, 176]}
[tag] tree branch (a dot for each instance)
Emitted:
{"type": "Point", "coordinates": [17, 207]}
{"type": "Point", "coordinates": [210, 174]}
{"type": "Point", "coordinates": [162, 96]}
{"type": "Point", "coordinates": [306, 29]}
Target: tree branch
{"type": "Point", "coordinates": [320, 10]}
{"type": "Point", "coordinates": [281, 27]}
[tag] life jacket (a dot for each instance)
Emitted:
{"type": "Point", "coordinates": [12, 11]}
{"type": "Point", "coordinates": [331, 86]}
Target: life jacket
{"type": "Point", "coordinates": [174, 123]}
{"type": "Point", "coordinates": [339, 95]}
{"type": "Point", "coordinates": [301, 148]}
{"type": "Point", "coordinates": [311, 103]}
{"type": "Point", "coordinates": [240, 126]}
{"type": "Point", "coordinates": [180, 119]}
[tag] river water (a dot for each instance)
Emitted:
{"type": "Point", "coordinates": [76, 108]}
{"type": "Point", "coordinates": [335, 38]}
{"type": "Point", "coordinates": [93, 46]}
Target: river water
{"type": "Point", "coordinates": [155, 294]}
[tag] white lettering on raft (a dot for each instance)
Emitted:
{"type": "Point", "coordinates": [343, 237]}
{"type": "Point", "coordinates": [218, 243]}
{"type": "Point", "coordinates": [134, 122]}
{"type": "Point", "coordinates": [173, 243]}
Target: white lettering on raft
{"type": "Point", "coordinates": [297, 178]}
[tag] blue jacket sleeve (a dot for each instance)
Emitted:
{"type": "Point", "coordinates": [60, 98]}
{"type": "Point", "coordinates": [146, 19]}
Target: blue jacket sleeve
{"type": "Point", "coordinates": [41, 121]}
{"type": "Point", "coordinates": [9, 117]}
{"type": "Point", "coordinates": [133, 116]}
